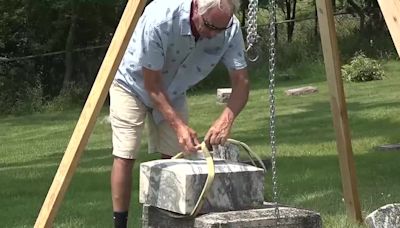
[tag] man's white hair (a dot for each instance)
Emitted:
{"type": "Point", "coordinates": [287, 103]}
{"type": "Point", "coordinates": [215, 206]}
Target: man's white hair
{"type": "Point", "coordinates": [204, 5]}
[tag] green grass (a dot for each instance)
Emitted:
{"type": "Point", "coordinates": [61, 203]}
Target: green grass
{"type": "Point", "coordinates": [32, 146]}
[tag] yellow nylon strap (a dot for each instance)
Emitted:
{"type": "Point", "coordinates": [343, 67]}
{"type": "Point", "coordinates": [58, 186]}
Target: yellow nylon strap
{"type": "Point", "coordinates": [250, 152]}
{"type": "Point", "coordinates": [209, 180]}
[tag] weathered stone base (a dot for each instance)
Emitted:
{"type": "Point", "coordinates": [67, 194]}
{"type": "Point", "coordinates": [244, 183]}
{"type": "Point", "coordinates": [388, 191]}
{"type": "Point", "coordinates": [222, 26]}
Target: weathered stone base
{"type": "Point", "coordinates": [255, 218]}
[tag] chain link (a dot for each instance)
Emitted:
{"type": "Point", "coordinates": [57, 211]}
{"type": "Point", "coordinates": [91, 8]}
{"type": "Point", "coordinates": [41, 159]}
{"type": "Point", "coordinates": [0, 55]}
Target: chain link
{"type": "Point", "coordinates": [251, 40]}
{"type": "Point", "coordinates": [272, 72]}
{"type": "Point", "coordinates": [252, 29]}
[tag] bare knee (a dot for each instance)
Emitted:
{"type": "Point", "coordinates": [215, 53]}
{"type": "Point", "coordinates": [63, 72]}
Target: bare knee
{"type": "Point", "coordinates": [121, 170]}
{"type": "Point", "coordinates": [123, 163]}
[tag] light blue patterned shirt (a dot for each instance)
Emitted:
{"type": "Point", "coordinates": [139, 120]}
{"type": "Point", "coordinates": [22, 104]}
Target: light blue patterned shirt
{"type": "Point", "coordinates": [163, 41]}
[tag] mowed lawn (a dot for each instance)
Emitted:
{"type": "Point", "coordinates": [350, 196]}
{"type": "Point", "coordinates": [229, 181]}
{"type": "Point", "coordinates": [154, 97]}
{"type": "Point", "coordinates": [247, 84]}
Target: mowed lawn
{"type": "Point", "coordinates": [32, 146]}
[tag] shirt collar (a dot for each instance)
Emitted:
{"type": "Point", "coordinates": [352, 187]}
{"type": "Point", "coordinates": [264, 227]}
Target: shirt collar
{"type": "Point", "coordinates": [185, 18]}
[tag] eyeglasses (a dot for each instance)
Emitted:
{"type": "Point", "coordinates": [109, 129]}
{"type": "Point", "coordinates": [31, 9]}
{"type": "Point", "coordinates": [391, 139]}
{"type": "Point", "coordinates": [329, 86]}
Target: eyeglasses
{"type": "Point", "coordinates": [215, 28]}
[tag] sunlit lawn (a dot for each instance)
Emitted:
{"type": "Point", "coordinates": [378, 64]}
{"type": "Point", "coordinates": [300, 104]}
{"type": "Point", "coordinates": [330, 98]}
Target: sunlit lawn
{"type": "Point", "coordinates": [32, 146]}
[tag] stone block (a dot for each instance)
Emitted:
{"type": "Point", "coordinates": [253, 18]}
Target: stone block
{"type": "Point", "coordinates": [228, 151]}
{"type": "Point", "coordinates": [231, 152]}
{"type": "Point", "coordinates": [176, 184]}
{"type": "Point", "coordinates": [264, 217]}
{"type": "Point", "coordinates": [223, 95]}
{"type": "Point", "coordinates": [301, 91]}
{"type": "Point", "coordinates": [387, 216]}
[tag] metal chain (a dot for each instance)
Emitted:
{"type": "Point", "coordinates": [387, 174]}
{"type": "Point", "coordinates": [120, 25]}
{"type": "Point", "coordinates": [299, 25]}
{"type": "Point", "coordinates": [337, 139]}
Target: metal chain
{"type": "Point", "coordinates": [252, 29]}
{"type": "Point", "coordinates": [251, 40]}
{"type": "Point", "coordinates": [272, 68]}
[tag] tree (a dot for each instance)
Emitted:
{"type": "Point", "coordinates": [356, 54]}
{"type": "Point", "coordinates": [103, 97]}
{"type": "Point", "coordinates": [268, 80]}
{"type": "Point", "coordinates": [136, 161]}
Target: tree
{"type": "Point", "coordinates": [37, 27]}
{"type": "Point", "coordinates": [369, 13]}
{"type": "Point", "coordinates": [289, 9]}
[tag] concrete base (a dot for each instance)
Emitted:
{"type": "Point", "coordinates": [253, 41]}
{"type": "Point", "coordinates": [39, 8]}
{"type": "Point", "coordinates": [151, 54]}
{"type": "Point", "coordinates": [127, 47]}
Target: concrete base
{"type": "Point", "coordinates": [264, 217]}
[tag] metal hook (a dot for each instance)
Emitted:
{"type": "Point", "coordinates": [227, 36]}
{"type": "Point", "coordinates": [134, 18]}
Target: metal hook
{"type": "Point", "coordinates": [252, 56]}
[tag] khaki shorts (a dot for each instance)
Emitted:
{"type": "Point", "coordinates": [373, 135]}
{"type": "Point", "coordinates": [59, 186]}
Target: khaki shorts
{"type": "Point", "coordinates": [127, 116]}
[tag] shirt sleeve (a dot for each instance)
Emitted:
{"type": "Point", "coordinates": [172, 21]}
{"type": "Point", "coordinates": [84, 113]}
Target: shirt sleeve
{"type": "Point", "coordinates": [152, 53]}
{"type": "Point", "coordinates": [234, 58]}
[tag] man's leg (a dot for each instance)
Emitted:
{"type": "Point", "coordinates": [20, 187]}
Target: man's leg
{"type": "Point", "coordinates": [121, 185]}
{"type": "Point", "coordinates": [127, 115]}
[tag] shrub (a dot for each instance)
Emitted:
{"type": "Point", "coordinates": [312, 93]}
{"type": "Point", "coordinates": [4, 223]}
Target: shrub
{"type": "Point", "coordinates": [73, 96]}
{"type": "Point", "coordinates": [21, 91]}
{"type": "Point", "coordinates": [361, 69]}
{"type": "Point", "coordinates": [29, 101]}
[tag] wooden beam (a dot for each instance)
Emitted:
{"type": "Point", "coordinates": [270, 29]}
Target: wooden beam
{"type": "Point", "coordinates": [338, 107]}
{"type": "Point", "coordinates": [391, 12]}
{"type": "Point", "coordinates": [89, 113]}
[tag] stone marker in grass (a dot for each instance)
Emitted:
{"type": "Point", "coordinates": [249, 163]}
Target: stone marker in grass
{"type": "Point", "coordinates": [387, 216]}
{"type": "Point", "coordinates": [389, 147]}
{"type": "Point", "coordinates": [301, 91]}
{"type": "Point", "coordinates": [223, 95]}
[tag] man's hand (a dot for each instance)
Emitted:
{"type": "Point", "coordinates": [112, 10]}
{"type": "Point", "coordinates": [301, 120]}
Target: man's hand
{"type": "Point", "coordinates": [219, 131]}
{"type": "Point", "coordinates": [187, 138]}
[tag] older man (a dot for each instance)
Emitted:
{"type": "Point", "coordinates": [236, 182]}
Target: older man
{"type": "Point", "coordinates": [174, 46]}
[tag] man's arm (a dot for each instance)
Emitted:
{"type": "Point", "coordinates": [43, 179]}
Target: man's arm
{"type": "Point", "coordinates": [219, 131]}
{"type": "Point", "coordinates": [187, 137]}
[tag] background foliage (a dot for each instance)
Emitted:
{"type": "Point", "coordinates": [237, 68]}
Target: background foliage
{"type": "Point", "coordinates": [31, 28]}
{"type": "Point", "coordinates": [50, 51]}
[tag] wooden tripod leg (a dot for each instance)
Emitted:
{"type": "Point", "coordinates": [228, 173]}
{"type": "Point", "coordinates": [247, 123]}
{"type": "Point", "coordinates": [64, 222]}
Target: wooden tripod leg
{"type": "Point", "coordinates": [339, 109]}
{"type": "Point", "coordinates": [89, 113]}
{"type": "Point", "coordinates": [391, 12]}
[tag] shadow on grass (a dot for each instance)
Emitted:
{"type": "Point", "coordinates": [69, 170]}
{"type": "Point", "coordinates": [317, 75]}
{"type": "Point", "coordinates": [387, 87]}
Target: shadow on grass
{"type": "Point", "coordinates": [315, 119]}
{"type": "Point", "coordinates": [87, 202]}
{"type": "Point", "coordinates": [40, 119]}
{"type": "Point", "coordinates": [314, 182]}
